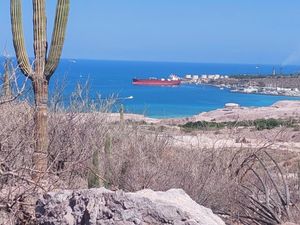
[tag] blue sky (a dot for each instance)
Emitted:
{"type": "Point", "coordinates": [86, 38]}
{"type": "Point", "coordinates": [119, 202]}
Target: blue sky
{"type": "Point", "coordinates": [222, 31]}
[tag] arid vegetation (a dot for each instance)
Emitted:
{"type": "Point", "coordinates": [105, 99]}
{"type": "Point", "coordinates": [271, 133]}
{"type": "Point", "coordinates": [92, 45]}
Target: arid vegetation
{"type": "Point", "coordinates": [43, 67]}
{"type": "Point", "coordinates": [86, 149]}
{"type": "Point", "coordinates": [46, 146]}
{"type": "Point", "coordinates": [259, 124]}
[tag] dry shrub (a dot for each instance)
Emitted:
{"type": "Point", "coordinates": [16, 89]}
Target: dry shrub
{"type": "Point", "coordinates": [230, 181]}
{"type": "Point", "coordinates": [265, 191]}
{"type": "Point", "coordinates": [74, 137]}
{"type": "Point", "coordinates": [135, 156]}
{"type": "Point", "coordinates": [76, 133]}
{"type": "Point", "coordinates": [16, 148]}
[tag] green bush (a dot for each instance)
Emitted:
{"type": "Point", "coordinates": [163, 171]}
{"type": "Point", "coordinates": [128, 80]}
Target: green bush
{"type": "Point", "coordinates": [203, 125]}
{"type": "Point", "coordinates": [262, 124]}
{"type": "Point", "coordinates": [259, 124]}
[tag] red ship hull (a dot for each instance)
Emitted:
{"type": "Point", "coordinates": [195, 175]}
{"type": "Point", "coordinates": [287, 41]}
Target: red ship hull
{"type": "Point", "coordinates": [155, 82]}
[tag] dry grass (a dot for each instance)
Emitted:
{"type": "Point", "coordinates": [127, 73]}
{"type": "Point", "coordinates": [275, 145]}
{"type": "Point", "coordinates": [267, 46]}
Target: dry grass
{"type": "Point", "coordinates": [133, 157]}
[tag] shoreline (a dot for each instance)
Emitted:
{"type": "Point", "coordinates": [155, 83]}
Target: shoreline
{"type": "Point", "coordinates": [266, 85]}
{"type": "Point", "coordinates": [248, 93]}
{"type": "Point", "coordinates": [284, 109]}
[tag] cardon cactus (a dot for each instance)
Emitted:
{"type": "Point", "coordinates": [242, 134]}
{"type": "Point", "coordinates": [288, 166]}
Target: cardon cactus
{"type": "Point", "coordinates": [121, 113]}
{"type": "Point", "coordinates": [6, 79]}
{"type": "Point", "coordinates": [107, 161]}
{"type": "Point", "coordinates": [104, 169]}
{"type": "Point", "coordinates": [93, 179]}
{"type": "Point", "coordinates": [43, 66]}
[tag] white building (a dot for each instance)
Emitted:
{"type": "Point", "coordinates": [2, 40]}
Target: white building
{"type": "Point", "coordinates": [250, 90]}
{"type": "Point", "coordinates": [195, 77]}
{"type": "Point", "coordinates": [232, 105]}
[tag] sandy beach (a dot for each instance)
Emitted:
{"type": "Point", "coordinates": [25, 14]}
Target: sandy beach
{"type": "Point", "coordinates": [279, 110]}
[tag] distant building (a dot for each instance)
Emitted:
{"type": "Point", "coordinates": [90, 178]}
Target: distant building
{"type": "Point", "coordinates": [195, 77]}
{"type": "Point", "coordinates": [204, 76]}
{"type": "Point", "coordinates": [188, 76]}
{"type": "Point", "coordinates": [231, 105]}
{"type": "Point", "coordinates": [250, 90]}
{"type": "Point", "coordinates": [214, 76]}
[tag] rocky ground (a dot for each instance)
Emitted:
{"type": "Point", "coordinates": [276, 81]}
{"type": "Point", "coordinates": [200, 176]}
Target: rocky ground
{"type": "Point", "coordinates": [174, 207]}
{"type": "Point", "coordinates": [101, 206]}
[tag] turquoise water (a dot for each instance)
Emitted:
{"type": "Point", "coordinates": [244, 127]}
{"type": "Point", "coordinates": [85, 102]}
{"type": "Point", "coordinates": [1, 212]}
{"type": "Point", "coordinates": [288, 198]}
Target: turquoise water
{"type": "Point", "coordinates": [114, 78]}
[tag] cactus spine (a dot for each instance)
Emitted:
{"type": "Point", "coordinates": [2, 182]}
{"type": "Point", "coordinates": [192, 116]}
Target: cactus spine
{"type": "Point", "coordinates": [43, 66]}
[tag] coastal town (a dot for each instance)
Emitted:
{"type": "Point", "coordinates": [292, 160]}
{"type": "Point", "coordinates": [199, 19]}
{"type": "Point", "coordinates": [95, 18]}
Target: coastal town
{"type": "Point", "coordinates": [95, 130]}
{"type": "Point", "coordinates": [269, 84]}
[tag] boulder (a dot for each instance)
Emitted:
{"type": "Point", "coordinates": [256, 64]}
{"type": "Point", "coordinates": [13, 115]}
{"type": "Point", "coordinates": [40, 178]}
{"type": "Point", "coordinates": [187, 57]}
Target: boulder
{"type": "Point", "coordinates": [101, 206]}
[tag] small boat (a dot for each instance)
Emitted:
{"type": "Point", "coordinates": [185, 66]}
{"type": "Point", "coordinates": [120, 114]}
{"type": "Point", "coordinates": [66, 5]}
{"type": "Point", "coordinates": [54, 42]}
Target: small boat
{"type": "Point", "coordinates": [174, 80]}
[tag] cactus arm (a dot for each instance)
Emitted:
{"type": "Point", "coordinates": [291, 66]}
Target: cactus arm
{"type": "Point", "coordinates": [58, 36]}
{"type": "Point", "coordinates": [40, 37]}
{"type": "Point", "coordinates": [18, 37]}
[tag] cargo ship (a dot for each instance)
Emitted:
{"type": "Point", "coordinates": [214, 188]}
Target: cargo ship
{"type": "Point", "coordinates": [172, 81]}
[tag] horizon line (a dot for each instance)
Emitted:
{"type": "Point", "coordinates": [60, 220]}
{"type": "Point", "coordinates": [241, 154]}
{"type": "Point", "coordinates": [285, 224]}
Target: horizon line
{"type": "Point", "coordinates": [169, 61]}
{"type": "Point", "coordinates": [183, 62]}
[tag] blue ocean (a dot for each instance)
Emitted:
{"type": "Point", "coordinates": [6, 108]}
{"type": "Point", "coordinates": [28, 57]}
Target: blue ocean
{"type": "Point", "coordinates": [113, 78]}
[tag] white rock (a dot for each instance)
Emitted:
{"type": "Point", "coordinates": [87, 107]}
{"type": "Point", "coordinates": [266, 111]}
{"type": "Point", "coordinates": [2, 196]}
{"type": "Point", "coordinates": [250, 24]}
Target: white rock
{"type": "Point", "coordinates": [101, 206]}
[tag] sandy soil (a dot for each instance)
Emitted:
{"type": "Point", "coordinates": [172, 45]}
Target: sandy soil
{"type": "Point", "coordinates": [285, 139]}
{"type": "Point", "coordinates": [281, 109]}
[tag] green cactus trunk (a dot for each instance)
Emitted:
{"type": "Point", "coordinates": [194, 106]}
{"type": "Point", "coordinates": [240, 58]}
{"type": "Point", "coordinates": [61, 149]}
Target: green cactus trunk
{"type": "Point", "coordinates": [121, 113]}
{"type": "Point", "coordinates": [298, 173]}
{"type": "Point", "coordinates": [93, 179]}
{"type": "Point", "coordinates": [40, 89]}
{"type": "Point", "coordinates": [107, 162]}
{"type": "Point", "coordinates": [43, 68]}
{"type": "Point", "coordinates": [6, 82]}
